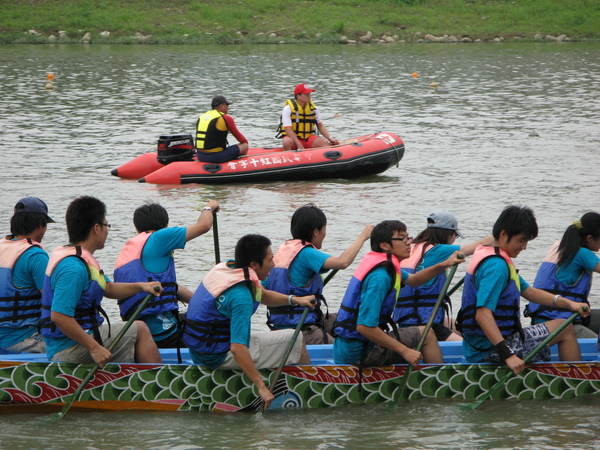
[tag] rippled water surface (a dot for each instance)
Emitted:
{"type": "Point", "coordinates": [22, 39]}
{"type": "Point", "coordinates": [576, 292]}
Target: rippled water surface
{"type": "Point", "coordinates": [509, 123]}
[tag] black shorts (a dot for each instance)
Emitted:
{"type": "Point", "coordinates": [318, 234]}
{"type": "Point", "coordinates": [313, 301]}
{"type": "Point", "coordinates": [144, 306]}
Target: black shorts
{"type": "Point", "coordinates": [442, 332]}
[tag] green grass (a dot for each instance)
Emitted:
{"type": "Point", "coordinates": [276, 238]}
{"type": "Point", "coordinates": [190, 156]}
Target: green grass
{"type": "Point", "coordinates": [233, 21]}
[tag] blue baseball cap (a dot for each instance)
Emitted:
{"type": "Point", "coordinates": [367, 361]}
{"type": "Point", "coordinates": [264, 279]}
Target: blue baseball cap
{"type": "Point", "coordinates": [32, 205]}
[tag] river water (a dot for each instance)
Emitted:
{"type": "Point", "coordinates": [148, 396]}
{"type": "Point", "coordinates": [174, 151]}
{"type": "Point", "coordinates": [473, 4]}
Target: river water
{"type": "Point", "coordinates": [507, 124]}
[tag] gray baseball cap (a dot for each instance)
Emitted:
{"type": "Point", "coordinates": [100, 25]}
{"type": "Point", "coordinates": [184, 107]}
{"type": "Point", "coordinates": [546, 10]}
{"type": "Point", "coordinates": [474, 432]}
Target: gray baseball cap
{"type": "Point", "coordinates": [444, 220]}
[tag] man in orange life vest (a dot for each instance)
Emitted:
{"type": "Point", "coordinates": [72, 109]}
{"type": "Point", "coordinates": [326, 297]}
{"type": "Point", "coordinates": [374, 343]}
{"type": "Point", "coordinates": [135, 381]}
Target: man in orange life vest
{"type": "Point", "coordinates": [299, 119]}
{"type": "Point", "coordinates": [23, 263]}
{"type": "Point", "coordinates": [74, 286]}
{"type": "Point", "coordinates": [490, 317]}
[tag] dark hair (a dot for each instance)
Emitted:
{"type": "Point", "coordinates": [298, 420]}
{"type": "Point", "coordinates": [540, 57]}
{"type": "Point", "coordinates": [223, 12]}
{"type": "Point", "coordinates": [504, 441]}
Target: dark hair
{"type": "Point", "coordinates": [383, 232]}
{"type": "Point", "coordinates": [25, 223]}
{"type": "Point", "coordinates": [516, 220]}
{"type": "Point", "coordinates": [150, 216]}
{"type": "Point", "coordinates": [251, 248]}
{"type": "Point", "coordinates": [306, 220]}
{"type": "Point", "coordinates": [82, 214]}
{"type": "Point", "coordinates": [575, 236]}
{"type": "Point", "coordinates": [433, 236]}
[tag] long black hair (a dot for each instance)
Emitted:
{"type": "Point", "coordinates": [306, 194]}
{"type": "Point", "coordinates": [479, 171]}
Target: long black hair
{"type": "Point", "coordinates": [576, 234]}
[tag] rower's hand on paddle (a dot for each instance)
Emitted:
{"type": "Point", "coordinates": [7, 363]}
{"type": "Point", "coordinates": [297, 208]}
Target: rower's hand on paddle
{"type": "Point", "coordinates": [456, 258]}
{"type": "Point", "coordinates": [582, 308]}
{"type": "Point", "coordinates": [306, 301]}
{"type": "Point", "coordinates": [516, 364]}
{"type": "Point", "coordinates": [100, 355]}
{"type": "Point", "coordinates": [152, 287]}
{"type": "Point", "coordinates": [333, 141]}
{"type": "Point", "coordinates": [267, 396]}
{"type": "Point", "coordinates": [214, 205]}
{"type": "Point", "coordinates": [411, 356]}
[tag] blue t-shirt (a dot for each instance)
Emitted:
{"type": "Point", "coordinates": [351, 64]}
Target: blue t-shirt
{"type": "Point", "coordinates": [308, 262]}
{"type": "Point", "coordinates": [439, 253]}
{"type": "Point", "coordinates": [584, 260]}
{"type": "Point", "coordinates": [490, 280]}
{"type": "Point", "coordinates": [28, 271]}
{"type": "Point", "coordinates": [69, 279]}
{"type": "Point", "coordinates": [156, 256]}
{"type": "Point", "coordinates": [237, 304]}
{"type": "Point", "coordinates": [373, 291]}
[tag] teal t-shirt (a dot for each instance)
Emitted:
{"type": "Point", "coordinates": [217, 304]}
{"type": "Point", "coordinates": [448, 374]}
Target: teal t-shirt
{"type": "Point", "coordinates": [490, 280]}
{"type": "Point", "coordinates": [68, 281]}
{"type": "Point", "coordinates": [28, 271]}
{"type": "Point", "coordinates": [373, 290]}
{"type": "Point", "coordinates": [237, 304]}
{"type": "Point", "coordinates": [156, 257]}
{"type": "Point", "coordinates": [439, 253]}
{"type": "Point", "coordinates": [308, 262]}
{"type": "Point", "coordinates": [584, 260]}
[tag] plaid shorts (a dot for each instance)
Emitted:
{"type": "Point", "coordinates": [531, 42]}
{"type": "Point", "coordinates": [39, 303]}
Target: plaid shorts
{"type": "Point", "coordinates": [533, 336]}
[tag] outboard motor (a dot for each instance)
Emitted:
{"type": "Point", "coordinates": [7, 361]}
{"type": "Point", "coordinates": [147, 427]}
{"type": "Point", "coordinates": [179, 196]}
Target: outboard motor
{"type": "Point", "coordinates": [179, 147]}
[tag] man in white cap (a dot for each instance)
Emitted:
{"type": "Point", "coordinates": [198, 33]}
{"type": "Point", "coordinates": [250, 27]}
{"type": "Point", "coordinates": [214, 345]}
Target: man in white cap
{"type": "Point", "coordinates": [212, 129]}
{"type": "Point", "coordinates": [23, 261]}
{"type": "Point", "coordinates": [299, 119]}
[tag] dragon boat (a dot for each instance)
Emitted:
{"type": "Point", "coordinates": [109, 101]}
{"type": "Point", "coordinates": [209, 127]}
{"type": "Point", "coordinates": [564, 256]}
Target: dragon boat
{"type": "Point", "coordinates": [29, 382]}
{"type": "Point", "coordinates": [174, 162]}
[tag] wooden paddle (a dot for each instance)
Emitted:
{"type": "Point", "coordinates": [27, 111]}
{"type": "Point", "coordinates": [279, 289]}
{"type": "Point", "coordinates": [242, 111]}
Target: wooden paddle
{"type": "Point", "coordinates": [113, 344]}
{"type": "Point", "coordinates": [399, 393]}
{"type": "Point", "coordinates": [510, 374]}
{"type": "Point", "coordinates": [288, 350]}
{"type": "Point", "coordinates": [216, 239]}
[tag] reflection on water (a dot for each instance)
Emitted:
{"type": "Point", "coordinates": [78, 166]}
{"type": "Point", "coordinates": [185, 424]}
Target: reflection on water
{"type": "Point", "coordinates": [468, 150]}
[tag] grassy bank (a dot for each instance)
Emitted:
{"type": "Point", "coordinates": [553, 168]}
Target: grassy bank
{"type": "Point", "coordinates": [274, 21]}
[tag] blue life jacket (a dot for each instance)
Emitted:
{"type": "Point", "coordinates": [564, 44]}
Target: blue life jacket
{"type": "Point", "coordinates": [19, 306]}
{"type": "Point", "coordinates": [415, 304]}
{"type": "Point", "coordinates": [546, 279]}
{"type": "Point", "coordinates": [206, 330]}
{"type": "Point", "coordinates": [345, 325]}
{"type": "Point", "coordinates": [279, 281]}
{"type": "Point", "coordinates": [129, 268]}
{"type": "Point", "coordinates": [87, 311]}
{"type": "Point", "coordinates": [507, 313]}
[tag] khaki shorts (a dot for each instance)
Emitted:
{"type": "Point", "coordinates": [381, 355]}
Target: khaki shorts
{"type": "Point", "coordinates": [33, 344]}
{"type": "Point", "coordinates": [315, 335]}
{"type": "Point", "coordinates": [381, 356]}
{"type": "Point", "coordinates": [267, 350]}
{"type": "Point", "coordinates": [124, 351]}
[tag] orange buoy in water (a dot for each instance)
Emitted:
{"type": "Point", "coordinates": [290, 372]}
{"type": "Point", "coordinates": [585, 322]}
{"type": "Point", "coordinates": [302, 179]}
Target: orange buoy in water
{"type": "Point", "coordinates": [51, 76]}
{"type": "Point", "coordinates": [415, 74]}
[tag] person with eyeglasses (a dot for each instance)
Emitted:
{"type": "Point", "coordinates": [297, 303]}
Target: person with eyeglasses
{"type": "Point", "coordinates": [431, 246]}
{"type": "Point", "coordinates": [23, 262]}
{"type": "Point", "coordinates": [149, 256]}
{"type": "Point", "coordinates": [299, 263]}
{"type": "Point", "coordinates": [74, 286]}
{"type": "Point", "coordinates": [368, 303]}
{"type": "Point", "coordinates": [299, 121]}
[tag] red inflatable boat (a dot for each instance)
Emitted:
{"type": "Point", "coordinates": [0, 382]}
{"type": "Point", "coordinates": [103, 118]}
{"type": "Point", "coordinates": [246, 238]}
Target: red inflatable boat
{"type": "Point", "coordinates": [365, 155]}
